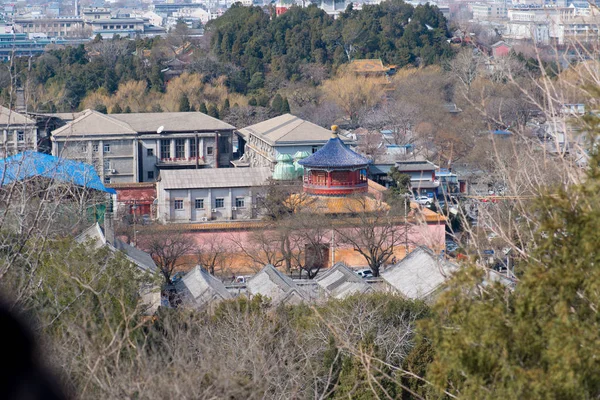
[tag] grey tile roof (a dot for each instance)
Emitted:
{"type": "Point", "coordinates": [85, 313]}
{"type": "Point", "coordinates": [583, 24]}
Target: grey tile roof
{"type": "Point", "coordinates": [415, 166]}
{"type": "Point", "coordinates": [9, 117]}
{"type": "Point", "coordinates": [95, 233]}
{"type": "Point", "coordinates": [92, 123]}
{"type": "Point", "coordinates": [419, 274]}
{"type": "Point", "coordinates": [340, 282]}
{"type": "Point", "coordinates": [172, 122]}
{"type": "Point", "coordinates": [287, 129]}
{"type": "Point", "coordinates": [271, 283]}
{"type": "Point", "coordinates": [198, 288]}
{"type": "Point", "coordinates": [213, 178]}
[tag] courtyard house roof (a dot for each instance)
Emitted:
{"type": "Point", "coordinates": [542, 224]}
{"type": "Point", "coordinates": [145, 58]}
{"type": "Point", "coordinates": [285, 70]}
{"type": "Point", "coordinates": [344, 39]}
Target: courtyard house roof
{"type": "Point", "coordinates": [271, 283]}
{"type": "Point", "coordinates": [340, 282]}
{"type": "Point", "coordinates": [199, 289]}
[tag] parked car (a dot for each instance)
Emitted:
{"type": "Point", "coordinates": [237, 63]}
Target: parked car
{"type": "Point", "coordinates": [242, 279]}
{"type": "Point", "coordinates": [424, 200]}
{"type": "Point", "coordinates": [365, 273]}
{"type": "Point", "coordinates": [451, 246]}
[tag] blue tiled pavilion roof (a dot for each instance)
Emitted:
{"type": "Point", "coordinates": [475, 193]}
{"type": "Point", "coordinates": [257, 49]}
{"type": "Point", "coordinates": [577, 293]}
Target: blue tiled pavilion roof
{"type": "Point", "coordinates": [31, 164]}
{"type": "Point", "coordinates": [335, 154]}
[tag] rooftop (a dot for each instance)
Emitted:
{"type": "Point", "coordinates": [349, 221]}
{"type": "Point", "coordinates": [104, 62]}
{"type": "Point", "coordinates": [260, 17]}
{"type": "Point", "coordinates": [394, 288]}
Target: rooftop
{"type": "Point", "coordinates": [415, 166]}
{"type": "Point", "coordinates": [287, 129]}
{"type": "Point", "coordinates": [30, 164]}
{"type": "Point", "coordinates": [92, 123]}
{"type": "Point", "coordinates": [340, 282]}
{"type": "Point", "coordinates": [10, 117]}
{"type": "Point", "coordinates": [96, 234]}
{"type": "Point", "coordinates": [419, 274]}
{"type": "Point", "coordinates": [214, 177]}
{"type": "Point", "coordinates": [199, 288]}
{"type": "Point", "coordinates": [271, 283]}
{"type": "Point", "coordinates": [335, 154]}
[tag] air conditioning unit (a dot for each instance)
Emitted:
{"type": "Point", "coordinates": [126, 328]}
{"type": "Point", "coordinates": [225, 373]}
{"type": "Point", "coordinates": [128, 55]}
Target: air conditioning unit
{"type": "Point", "coordinates": [234, 208]}
{"type": "Point", "coordinates": [203, 219]}
{"type": "Point", "coordinates": [214, 210]}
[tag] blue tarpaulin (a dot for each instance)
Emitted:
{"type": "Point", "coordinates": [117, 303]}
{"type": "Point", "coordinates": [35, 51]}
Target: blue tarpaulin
{"type": "Point", "coordinates": [30, 164]}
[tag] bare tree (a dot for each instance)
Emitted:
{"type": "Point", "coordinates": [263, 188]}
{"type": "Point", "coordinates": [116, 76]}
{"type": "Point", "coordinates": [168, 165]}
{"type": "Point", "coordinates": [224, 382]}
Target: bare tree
{"type": "Point", "coordinates": [168, 248]}
{"type": "Point", "coordinates": [372, 231]}
{"type": "Point", "coordinates": [213, 254]}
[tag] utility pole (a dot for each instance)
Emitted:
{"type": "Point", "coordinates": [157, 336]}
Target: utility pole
{"type": "Point", "coordinates": [406, 200]}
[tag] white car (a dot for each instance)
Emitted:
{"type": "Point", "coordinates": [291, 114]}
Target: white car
{"type": "Point", "coordinates": [365, 273]}
{"type": "Point", "coordinates": [424, 200]}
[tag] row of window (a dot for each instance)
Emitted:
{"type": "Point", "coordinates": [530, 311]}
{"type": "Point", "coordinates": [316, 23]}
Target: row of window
{"type": "Point", "coordinates": [219, 203]}
{"type": "Point", "coordinates": [52, 25]}
{"type": "Point", "coordinates": [116, 27]}
{"type": "Point", "coordinates": [165, 149]}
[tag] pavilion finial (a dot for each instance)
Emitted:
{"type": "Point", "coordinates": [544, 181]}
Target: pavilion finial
{"type": "Point", "coordinates": [334, 131]}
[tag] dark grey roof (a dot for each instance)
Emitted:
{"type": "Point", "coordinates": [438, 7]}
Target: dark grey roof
{"type": "Point", "coordinates": [198, 288]}
{"type": "Point", "coordinates": [140, 258]}
{"type": "Point", "coordinates": [271, 283]}
{"type": "Point", "coordinates": [213, 178]}
{"type": "Point", "coordinates": [335, 154]}
{"type": "Point", "coordinates": [415, 166]}
{"type": "Point", "coordinates": [419, 274]}
{"type": "Point", "coordinates": [340, 281]}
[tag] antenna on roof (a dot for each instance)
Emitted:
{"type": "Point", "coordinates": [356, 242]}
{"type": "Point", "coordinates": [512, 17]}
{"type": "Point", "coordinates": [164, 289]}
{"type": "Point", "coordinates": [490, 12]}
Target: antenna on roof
{"type": "Point", "coordinates": [160, 129]}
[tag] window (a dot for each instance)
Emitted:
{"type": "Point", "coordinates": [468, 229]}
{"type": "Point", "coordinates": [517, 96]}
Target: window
{"type": "Point", "coordinates": [68, 25]}
{"type": "Point", "coordinates": [193, 148]}
{"type": "Point", "coordinates": [150, 174]}
{"type": "Point", "coordinates": [199, 203]}
{"type": "Point", "coordinates": [104, 26]}
{"type": "Point", "coordinates": [83, 147]}
{"type": "Point", "coordinates": [178, 204]}
{"type": "Point", "coordinates": [107, 148]}
{"type": "Point", "coordinates": [20, 136]}
{"type": "Point", "coordinates": [112, 27]}
{"type": "Point", "coordinates": [209, 151]}
{"type": "Point", "coordinates": [165, 148]}
{"type": "Point", "coordinates": [107, 179]}
{"type": "Point", "coordinates": [130, 26]}
{"type": "Point", "coordinates": [118, 27]}
{"type": "Point", "coordinates": [220, 202]}
{"type": "Point", "coordinates": [95, 147]}
{"type": "Point", "coordinates": [179, 148]}
{"type": "Point", "coordinates": [240, 202]}
{"type": "Point", "coordinates": [149, 152]}
{"type": "Point", "coordinates": [314, 149]}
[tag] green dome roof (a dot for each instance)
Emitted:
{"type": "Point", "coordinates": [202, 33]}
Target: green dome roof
{"type": "Point", "coordinates": [284, 169]}
{"type": "Point", "coordinates": [300, 155]}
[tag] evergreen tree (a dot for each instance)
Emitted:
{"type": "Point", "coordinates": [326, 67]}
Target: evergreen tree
{"type": "Point", "coordinates": [285, 107]}
{"type": "Point", "coordinates": [127, 110]}
{"type": "Point", "coordinates": [541, 339]}
{"type": "Point", "coordinates": [252, 102]}
{"type": "Point", "coordinates": [157, 108]}
{"type": "Point", "coordinates": [226, 107]}
{"type": "Point", "coordinates": [212, 111]}
{"type": "Point", "coordinates": [277, 103]}
{"type": "Point", "coordinates": [263, 100]}
{"type": "Point", "coordinates": [184, 103]}
{"type": "Point", "coordinates": [101, 108]}
{"type": "Point", "coordinates": [203, 108]}
{"type": "Point", "coordinates": [116, 109]}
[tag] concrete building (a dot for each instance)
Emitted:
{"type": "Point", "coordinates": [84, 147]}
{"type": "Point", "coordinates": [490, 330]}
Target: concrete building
{"type": "Point", "coordinates": [128, 148]}
{"type": "Point", "coordinates": [489, 11]}
{"type": "Point", "coordinates": [19, 133]}
{"type": "Point", "coordinates": [200, 195]}
{"type": "Point", "coordinates": [287, 134]}
{"type": "Point", "coordinates": [67, 27]}
{"type": "Point", "coordinates": [423, 181]}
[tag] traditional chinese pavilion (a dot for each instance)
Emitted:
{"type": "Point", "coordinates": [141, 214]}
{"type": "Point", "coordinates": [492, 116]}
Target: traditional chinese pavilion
{"type": "Point", "coordinates": [335, 170]}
